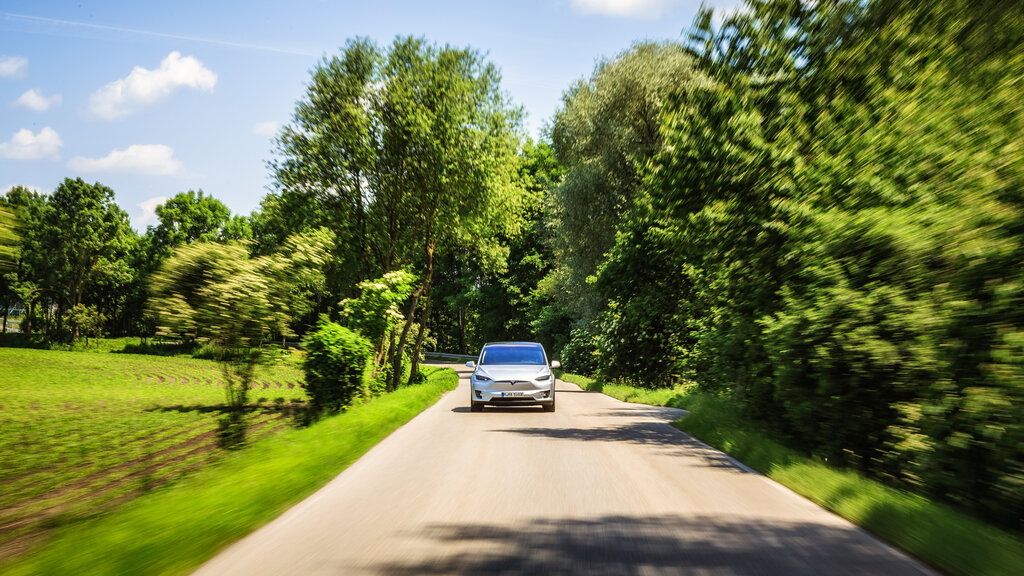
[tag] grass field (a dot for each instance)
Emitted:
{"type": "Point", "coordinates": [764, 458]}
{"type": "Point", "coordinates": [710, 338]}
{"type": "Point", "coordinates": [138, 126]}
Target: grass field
{"type": "Point", "coordinates": [84, 433]}
{"type": "Point", "coordinates": [175, 528]}
{"type": "Point", "coordinates": [938, 534]}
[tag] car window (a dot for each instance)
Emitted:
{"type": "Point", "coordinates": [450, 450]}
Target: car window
{"type": "Point", "coordinates": [512, 355]}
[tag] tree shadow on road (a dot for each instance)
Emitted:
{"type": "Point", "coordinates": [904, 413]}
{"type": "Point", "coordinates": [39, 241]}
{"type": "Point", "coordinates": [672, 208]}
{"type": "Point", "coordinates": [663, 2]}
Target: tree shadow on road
{"type": "Point", "coordinates": [655, 434]}
{"type": "Point", "coordinates": [671, 544]}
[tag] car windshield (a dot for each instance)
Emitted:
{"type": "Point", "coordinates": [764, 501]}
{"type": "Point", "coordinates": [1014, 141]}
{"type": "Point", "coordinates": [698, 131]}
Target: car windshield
{"type": "Point", "coordinates": [512, 355]}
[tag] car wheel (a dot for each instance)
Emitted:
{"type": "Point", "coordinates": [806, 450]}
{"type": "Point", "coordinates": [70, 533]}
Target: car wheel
{"type": "Point", "coordinates": [550, 407]}
{"type": "Point", "coordinates": [475, 407]}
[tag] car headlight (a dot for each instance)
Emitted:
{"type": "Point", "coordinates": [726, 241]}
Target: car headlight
{"type": "Point", "coordinates": [544, 377]}
{"type": "Point", "coordinates": [482, 378]}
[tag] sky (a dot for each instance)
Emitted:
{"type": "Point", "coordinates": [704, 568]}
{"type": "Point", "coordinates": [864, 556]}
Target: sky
{"type": "Point", "coordinates": [156, 98]}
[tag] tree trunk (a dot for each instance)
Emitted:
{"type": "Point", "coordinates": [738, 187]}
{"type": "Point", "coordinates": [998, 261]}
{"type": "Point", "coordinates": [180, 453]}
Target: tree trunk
{"type": "Point", "coordinates": [396, 358]}
{"type": "Point", "coordinates": [462, 330]}
{"type": "Point", "coordinates": [424, 316]}
{"type": "Point", "coordinates": [410, 317]}
{"type": "Point", "coordinates": [27, 321]}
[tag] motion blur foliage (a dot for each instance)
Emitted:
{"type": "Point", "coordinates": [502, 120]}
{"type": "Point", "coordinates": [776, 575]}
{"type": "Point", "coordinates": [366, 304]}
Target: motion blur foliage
{"type": "Point", "coordinates": [835, 226]}
{"type": "Point", "coordinates": [335, 365]}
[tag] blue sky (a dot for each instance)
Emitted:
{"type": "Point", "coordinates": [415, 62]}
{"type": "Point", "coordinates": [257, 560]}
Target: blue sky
{"type": "Point", "coordinates": [152, 99]}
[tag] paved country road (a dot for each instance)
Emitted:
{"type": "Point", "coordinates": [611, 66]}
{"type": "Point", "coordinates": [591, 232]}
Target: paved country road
{"type": "Point", "coordinates": [598, 487]}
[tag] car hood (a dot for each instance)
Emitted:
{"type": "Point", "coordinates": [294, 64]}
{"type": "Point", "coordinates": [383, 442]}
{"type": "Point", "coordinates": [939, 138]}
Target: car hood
{"type": "Point", "coordinates": [513, 372]}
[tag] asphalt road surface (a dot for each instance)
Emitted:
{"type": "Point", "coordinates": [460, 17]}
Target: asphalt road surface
{"type": "Point", "coordinates": [598, 487]}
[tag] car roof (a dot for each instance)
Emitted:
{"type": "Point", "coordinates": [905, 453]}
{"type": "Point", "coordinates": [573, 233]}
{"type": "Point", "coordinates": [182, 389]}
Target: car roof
{"type": "Point", "coordinates": [513, 344]}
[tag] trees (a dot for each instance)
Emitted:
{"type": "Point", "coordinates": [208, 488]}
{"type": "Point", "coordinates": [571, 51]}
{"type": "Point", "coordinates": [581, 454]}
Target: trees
{"type": "Point", "coordinates": [83, 240]}
{"type": "Point", "coordinates": [218, 294]}
{"type": "Point", "coordinates": [73, 249]}
{"type": "Point", "coordinates": [18, 283]}
{"type": "Point", "coordinates": [832, 227]}
{"type": "Point", "coordinates": [8, 240]}
{"type": "Point", "coordinates": [405, 154]}
{"type": "Point", "coordinates": [191, 217]}
{"type": "Point", "coordinates": [604, 134]}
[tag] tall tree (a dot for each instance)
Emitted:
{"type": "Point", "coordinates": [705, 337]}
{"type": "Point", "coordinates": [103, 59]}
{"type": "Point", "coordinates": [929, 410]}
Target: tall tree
{"type": "Point", "coordinates": [189, 217]}
{"type": "Point", "coordinates": [404, 154]}
{"type": "Point", "coordinates": [605, 132]}
{"type": "Point", "coordinates": [83, 241]}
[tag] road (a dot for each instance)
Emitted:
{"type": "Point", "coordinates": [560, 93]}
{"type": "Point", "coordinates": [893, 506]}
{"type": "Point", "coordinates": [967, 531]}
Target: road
{"type": "Point", "coordinates": [598, 487]}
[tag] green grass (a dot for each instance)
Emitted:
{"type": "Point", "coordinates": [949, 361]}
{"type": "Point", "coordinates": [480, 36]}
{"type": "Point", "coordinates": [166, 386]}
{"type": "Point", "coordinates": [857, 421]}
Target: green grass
{"type": "Point", "coordinates": [83, 433]}
{"type": "Point", "coordinates": [938, 534]}
{"type": "Point", "coordinates": [174, 529]}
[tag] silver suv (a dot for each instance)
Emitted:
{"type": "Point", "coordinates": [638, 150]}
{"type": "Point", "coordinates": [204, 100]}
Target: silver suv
{"type": "Point", "coordinates": [512, 373]}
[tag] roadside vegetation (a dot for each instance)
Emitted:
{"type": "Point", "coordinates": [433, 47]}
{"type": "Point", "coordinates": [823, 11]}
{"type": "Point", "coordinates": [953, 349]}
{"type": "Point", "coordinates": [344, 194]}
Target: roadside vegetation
{"type": "Point", "coordinates": [174, 529]}
{"type": "Point", "coordinates": [811, 210]}
{"type": "Point", "coordinates": [936, 533]}
{"type": "Point", "coordinates": [86, 433]}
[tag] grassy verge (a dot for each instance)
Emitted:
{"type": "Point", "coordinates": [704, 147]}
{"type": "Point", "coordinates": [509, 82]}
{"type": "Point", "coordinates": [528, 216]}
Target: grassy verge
{"type": "Point", "coordinates": [174, 529]}
{"type": "Point", "coordinates": [938, 534]}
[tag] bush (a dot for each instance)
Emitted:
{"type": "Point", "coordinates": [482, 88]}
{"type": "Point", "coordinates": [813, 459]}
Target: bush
{"type": "Point", "coordinates": [336, 361]}
{"type": "Point", "coordinates": [579, 355]}
{"type": "Point", "coordinates": [85, 321]}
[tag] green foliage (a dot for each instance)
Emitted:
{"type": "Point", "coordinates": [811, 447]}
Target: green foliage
{"type": "Point", "coordinates": [80, 244]}
{"type": "Point", "coordinates": [580, 353]}
{"type": "Point", "coordinates": [604, 135]}
{"type": "Point", "coordinates": [85, 321]}
{"type": "Point", "coordinates": [9, 238]}
{"type": "Point", "coordinates": [378, 310]}
{"type": "Point", "coordinates": [478, 299]}
{"type": "Point", "coordinates": [335, 365]}
{"type": "Point", "coordinates": [406, 154]}
{"type": "Point", "coordinates": [190, 217]}
{"type": "Point", "coordinates": [216, 293]}
{"type": "Point", "coordinates": [830, 231]}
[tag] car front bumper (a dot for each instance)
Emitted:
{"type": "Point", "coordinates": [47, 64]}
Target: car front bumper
{"type": "Point", "coordinates": [498, 392]}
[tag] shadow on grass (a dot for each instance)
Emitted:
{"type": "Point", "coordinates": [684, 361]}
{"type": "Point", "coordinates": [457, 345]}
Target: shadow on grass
{"type": "Point", "coordinates": [669, 544]}
{"type": "Point", "coordinates": [233, 423]}
{"type": "Point", "coordinates": [160, 349]}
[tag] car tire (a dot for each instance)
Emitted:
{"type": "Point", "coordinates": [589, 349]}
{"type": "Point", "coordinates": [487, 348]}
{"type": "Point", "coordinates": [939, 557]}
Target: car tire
{"type": "Point", "coordinates": [549, 407]}
{"type": "Point", "coordinates": [475, 407]}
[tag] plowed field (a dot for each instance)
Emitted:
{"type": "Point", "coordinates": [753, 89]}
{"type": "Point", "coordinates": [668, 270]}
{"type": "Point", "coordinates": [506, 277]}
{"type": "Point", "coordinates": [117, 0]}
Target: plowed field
{"type": "Point", "coordinates": [82, 433]}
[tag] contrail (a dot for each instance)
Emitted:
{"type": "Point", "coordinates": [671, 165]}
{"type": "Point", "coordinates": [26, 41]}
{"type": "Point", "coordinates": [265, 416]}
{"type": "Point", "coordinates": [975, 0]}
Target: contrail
{"type": "Point", "coordinates": [228, 43]}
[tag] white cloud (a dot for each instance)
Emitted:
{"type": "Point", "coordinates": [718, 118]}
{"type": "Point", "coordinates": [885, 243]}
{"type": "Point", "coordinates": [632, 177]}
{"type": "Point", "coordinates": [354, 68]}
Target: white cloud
{"type": "Point", "coordinates": [12, 66]}
{"type": "Point", "coordinates": [146, 87]}
{"type": "Point", "coordinates": [34, 100]}
{"type": "Point", "coordinates": [153, 159]}
{"type": "Point", "coordinates": [148, 208]}
{"type": "Point", "coordinates": [625, 8]}
{"type": "Point", "coordinates": [24, 145]}
{"type": "Point", "coordinates": [266, 129]}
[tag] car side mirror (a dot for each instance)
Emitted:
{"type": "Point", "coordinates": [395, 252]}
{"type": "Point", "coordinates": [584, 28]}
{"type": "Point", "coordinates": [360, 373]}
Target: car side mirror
{"type": "Point", "coordinates": [470, 364]}
{"type": "Point", "coordinates": [556, 364]}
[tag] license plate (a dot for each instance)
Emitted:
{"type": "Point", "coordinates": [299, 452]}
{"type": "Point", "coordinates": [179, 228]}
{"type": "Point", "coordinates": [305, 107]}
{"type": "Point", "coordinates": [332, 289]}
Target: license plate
{"type": "Point", "coordinates": [511, 394]}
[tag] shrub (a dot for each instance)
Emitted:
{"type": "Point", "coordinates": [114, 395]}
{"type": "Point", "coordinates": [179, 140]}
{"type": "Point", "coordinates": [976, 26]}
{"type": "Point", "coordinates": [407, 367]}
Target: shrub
{"type": "Point", "coordinates": [336, 361]}
{"type": "Point", "coordinates": [579, 355]}
{"type": "Point", "coordinates": [85, 321]}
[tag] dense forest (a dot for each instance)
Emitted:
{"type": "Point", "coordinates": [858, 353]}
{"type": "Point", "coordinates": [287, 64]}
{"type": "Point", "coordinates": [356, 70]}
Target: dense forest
{"type": "Point", "coordinates": [813, 208]}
